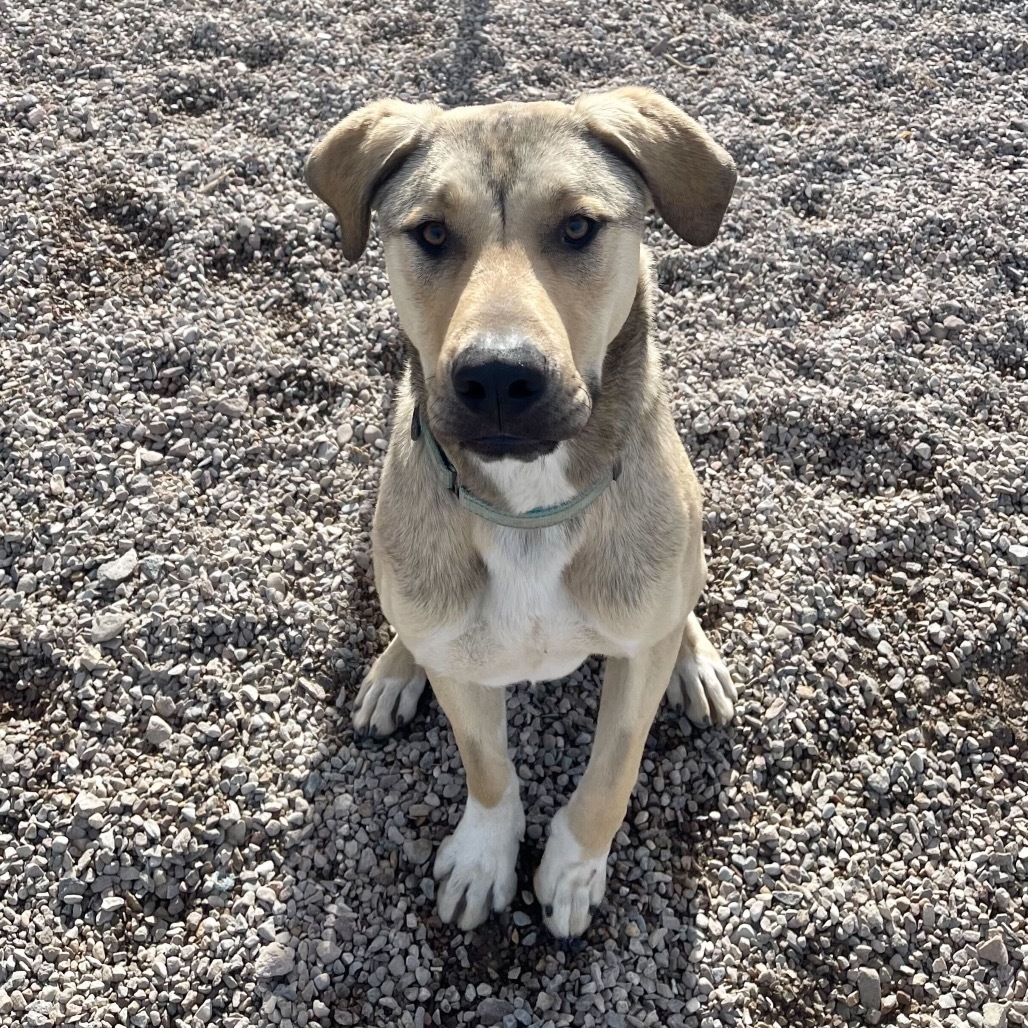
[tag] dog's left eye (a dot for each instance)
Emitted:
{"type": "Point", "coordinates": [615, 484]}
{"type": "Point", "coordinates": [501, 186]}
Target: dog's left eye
{"type": "Point", "coordinates": [579, 229]}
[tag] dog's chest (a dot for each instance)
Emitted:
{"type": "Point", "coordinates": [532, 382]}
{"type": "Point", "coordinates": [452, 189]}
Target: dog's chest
{"type": "Point", "coordinates": [524, 624]}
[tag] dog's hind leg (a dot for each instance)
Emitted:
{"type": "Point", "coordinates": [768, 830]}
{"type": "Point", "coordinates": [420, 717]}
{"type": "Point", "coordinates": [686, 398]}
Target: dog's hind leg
{"type": "Point", "coordinates": [700, 683]}
{"type": "Point", "coordinates": [475, 867]}
{"type": "Point", "coordinates": [389, 695]}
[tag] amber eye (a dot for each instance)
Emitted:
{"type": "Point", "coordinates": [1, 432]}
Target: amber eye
{"type": "Point", "coordinates": [578, 229]}
{"type": "Point", "coordinates": [433, 234]}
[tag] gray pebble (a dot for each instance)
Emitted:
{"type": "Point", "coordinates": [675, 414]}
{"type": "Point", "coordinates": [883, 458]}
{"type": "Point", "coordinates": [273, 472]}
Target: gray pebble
{"type": "Point", "coordinates": [492, 1010]}
{"type": "Point", "coordinates": [418, 850]}
{"type": "Point", "coordinates": [152, 567]}
{"type": "Point", "coordinates": [869, 985]}
{"type": "Point", "coordinates": [994, 950]}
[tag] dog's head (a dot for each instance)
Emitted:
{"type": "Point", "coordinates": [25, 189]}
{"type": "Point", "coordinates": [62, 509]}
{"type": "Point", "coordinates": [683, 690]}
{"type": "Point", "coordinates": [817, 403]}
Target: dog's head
{"type": "Point", "coordinates": [512, 240]}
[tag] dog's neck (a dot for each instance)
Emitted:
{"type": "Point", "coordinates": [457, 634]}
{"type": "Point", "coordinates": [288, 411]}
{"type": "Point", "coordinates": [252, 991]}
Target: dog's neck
{"type": "Point", "coordinates": [630, 385]}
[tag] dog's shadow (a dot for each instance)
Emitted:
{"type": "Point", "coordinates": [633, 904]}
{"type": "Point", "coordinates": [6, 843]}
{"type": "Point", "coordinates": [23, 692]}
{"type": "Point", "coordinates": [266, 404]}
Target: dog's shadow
{"type": "Point", "coordinates": [468, 64]}
{"type": "Point", "coordinates": [638, 901]}
{"type": "Point", "coordinates": [666, 895]}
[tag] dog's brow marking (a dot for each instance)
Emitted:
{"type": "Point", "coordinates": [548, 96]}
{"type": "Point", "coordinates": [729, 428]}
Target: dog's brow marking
{"type": "Point", "coordinates": [498, 187]}
{"type": "Point", "coordinates": [499, 161]}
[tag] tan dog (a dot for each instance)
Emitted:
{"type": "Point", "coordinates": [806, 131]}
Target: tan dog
{"type": "Point", "coordinates": [536, 505]}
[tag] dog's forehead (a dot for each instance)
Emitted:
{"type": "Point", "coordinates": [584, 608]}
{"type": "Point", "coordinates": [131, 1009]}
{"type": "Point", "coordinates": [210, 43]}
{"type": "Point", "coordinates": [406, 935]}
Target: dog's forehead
{"type": "Point", "coordinates": [517, 147]}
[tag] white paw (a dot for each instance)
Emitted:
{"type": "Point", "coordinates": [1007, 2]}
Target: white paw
{"type": "Point", "coordinates": [475, 867]}
{"type": "Point", "coordinates": [702, 686]}
{"type": "Point", "coordinates": [567, 883]}
{"type": "Point", "coordinates": [386, 702]}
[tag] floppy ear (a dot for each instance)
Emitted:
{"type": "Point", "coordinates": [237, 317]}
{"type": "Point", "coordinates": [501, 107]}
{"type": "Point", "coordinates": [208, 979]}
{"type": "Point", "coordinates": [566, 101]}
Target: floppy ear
{"type": "Point", "coordinates": [690, 177]}
{"type": "Point", "coordinates": [346, 168]}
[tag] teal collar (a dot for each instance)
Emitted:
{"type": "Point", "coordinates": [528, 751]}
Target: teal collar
{"type": "Point", "coordinates": [538, 517]}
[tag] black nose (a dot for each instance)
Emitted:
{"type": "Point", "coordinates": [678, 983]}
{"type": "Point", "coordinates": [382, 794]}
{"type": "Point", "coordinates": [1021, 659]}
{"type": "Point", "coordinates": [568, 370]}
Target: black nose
{"type": "Point", "coordinates": [499, 386]}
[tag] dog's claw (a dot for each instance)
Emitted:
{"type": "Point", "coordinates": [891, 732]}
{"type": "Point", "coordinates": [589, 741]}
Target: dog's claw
{"type": "Point", "coordinates": [389, 695]}
{"type": "Point", "coordinates": [458, 911]}
{"type": "Point", "coordinates": [702, 687]}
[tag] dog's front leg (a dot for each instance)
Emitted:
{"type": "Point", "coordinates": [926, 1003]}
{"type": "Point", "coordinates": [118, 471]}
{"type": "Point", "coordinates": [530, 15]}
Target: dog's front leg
{"type": "Point", "coordinates": [573, 874]}
{"type": "Point", "coordinates": [475, 867]}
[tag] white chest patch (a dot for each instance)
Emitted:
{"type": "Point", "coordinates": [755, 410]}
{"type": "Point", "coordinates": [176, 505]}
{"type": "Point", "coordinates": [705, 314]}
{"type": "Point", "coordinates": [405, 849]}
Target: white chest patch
{"type": "Point", "coordinates": [541, 483]}
{"type": "Point", "coordinates": [523, 625]}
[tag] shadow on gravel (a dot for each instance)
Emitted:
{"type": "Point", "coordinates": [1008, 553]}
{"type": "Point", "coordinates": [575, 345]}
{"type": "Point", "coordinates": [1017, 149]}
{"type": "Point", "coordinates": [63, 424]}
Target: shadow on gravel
{"type": "Point", "coordinates": [191, 94]}
{"type": "Point", "coordinates": [126, 211]}
{"type": "Point", "coordinates": [27, 680]}
{"type": "Point", "coordinates": [500, 950]}
{"type": "Point", "coordinates": [206, 40]}
{"type": "Point", "coordinates": [466, 68]}
{"type": "Point", "coordinates": [114, 243]}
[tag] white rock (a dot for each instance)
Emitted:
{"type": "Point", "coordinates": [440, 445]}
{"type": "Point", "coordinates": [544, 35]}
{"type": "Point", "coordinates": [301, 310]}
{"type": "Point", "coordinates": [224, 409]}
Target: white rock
{"type": "Point", "coordinates": [109, 626]}
{"type": "Point", "coordinates": [994, 1015]}
{"type": "Point", "coordinates": [118, 570]}
{"type": "Point", "coordinates": [158, 731]}
{"type": "Point", "coordinates": [88, 803]}
{"type": "Point", "coordinates": [232, 406]}
{"type": "Point", "coordinates": [274, 961]}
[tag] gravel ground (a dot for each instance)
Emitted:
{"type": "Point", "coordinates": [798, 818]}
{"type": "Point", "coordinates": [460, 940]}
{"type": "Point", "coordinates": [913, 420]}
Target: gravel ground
{"type": "Point", "coordinates": [194, 396]}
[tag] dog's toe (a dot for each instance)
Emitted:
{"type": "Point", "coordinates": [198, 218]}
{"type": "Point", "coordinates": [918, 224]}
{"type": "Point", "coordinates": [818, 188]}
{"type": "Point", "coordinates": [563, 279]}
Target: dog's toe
{"type": "Point", "coordinates": [702, 684]}
{"type": "Point", "coordinates": [386, 703]}
{"type": "Point", "coordinates": [568, 884]}
{"type": "Point", "coordinates": [475, 868]}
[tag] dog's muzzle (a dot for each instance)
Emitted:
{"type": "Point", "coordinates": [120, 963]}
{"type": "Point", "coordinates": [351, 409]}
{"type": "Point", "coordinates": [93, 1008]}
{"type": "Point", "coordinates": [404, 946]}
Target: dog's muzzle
{"type": "Point", "coordinates": [501, 394]}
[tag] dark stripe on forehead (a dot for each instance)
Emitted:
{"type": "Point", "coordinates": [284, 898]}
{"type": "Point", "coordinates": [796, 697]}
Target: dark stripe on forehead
{"type": "Point", "coordinates": [499, 161]}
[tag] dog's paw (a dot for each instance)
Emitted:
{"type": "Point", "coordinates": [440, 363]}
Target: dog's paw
{"type": "Point", "coordinates": [568, 884]}
{"type": "Point", "coordinates": [702, 686]}
{"type": "Point", "coordinates": [475, 868]}
{"type": "Point", "coordinates": [389, 696]}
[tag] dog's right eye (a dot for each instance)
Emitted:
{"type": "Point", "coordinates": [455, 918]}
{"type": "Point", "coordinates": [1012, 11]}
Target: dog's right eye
{"type": "Point", "coordinates": [579, 231]}
{"type": "Point", "coordinates": [432, 235]}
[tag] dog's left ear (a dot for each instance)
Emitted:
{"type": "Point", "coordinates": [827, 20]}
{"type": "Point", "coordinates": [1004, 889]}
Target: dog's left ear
{"type": "Point", "coordinates": [690, 177]}
{"type": "Point", "coordinates": [348, 166]}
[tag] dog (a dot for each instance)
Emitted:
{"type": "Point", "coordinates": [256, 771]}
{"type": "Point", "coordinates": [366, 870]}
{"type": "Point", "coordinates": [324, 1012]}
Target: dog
{"type": "Point", "coordinates": [536, 504]}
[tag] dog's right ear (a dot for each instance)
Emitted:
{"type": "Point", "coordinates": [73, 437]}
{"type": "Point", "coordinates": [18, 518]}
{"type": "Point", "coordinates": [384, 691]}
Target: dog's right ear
{"type": "Point", "coordinates": [349, 165]}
